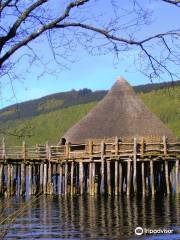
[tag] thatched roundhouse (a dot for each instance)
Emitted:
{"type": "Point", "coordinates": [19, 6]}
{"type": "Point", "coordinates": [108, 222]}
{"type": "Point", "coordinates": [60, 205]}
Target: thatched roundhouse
{"type": "Point", "coordinates": [120, 113]}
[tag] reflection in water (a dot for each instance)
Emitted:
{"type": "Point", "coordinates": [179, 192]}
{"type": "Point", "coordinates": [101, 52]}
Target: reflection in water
{"type": "Point", "coordinates": [92, 217]}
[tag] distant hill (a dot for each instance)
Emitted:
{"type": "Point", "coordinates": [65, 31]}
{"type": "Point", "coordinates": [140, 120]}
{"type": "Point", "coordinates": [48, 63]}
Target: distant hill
{"type": "Point", "coordinates": [63, 100]}
{"type": "Point", "coordinates": [47, 118]}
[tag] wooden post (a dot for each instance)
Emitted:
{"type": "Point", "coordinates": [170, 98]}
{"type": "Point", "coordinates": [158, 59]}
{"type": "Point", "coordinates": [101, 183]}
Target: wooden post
{"type": "Point", "coordinates": [165, 145]}
{"type": "Point", "coordinates": [143, 178]}
{"type": "Point", "coordinates": [120, 178]}
{"type": "Point", "coordinates": [48, 156]}
{"type": "Point", "coordinates": [60, 178]}
{"type": "Point", "coordinates": [9, 179]}
{"type": "Point", "coordinates": [72, 178]}
{"type": "Point", "coordinates": [167, 177]}
{"type": "Point", "coordinates": [135, 166]}
{"type": "Point", "coordinates": [116, 177]}
{"type": "Point", "coordinates": [152, 176]}
{"type": "Point", "coordinates": [177, 176]}
{"type": "Point", "coordinates": [142, 167]}
{"type": "Point", "coordinates": [128, 177]}
{"type": "Point", "coordinates": [65, 178]}
{"type": "Point", "coordinates": [93, 177]}
{"type": "Point", "coordinates": [90, 178]}
{"type": "Point", "coordinates": [45, 179]}
{"type": "Point", "coordinates": [50, 184]}
{"type": "Point", "coordinates": [102, 166]}
{"type": "Point", "coordinates": [41, 177]}
{"type": "Point", "coordinates": [81, 177]}
{"type": "Point", "coordinates": [1, 179]}
{"type": "Point", "coordinates": [23, 179]}
{"type": "Point", "coordinates": [109, 177]}
{"type": "Point", "coordinates": [30, 180]}
{"type": "Point", "coordinates": [116, 166]}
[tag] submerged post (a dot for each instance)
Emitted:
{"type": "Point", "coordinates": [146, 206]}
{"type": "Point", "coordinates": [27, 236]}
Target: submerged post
{"type": "Point", "coordinates": [135, 165]}
{"type": "Point", "coordinates": [102, 166]}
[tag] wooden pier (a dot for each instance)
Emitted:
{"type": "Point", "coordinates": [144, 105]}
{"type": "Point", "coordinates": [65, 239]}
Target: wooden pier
{"type": "Point", "coordinates": [108, 166]}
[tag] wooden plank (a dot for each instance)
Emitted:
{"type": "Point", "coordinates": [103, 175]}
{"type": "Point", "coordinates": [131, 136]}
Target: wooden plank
{"type": "Point", "coordinates": [167, 177]}
{"type": "Point", "coordinates": [177, 176]}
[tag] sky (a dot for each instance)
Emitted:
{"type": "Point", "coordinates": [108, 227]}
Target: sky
{"type": "Point", "coordinates": [94, 72]}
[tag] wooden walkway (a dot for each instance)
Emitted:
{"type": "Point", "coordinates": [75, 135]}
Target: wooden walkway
{"type": "Point", "coordinates": [107, 166]}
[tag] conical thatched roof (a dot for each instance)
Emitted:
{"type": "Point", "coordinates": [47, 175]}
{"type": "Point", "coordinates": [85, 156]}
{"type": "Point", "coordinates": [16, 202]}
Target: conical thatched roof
{"type": "Point", "coordinates": [120, 113]}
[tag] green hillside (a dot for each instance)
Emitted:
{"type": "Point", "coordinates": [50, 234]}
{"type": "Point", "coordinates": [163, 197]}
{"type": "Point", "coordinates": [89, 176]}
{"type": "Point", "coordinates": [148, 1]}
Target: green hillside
{"type": "Point", "coordinates": [50, 126]}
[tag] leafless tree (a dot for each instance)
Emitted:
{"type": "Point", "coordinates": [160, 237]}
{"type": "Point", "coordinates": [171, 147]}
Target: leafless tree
{"type": "Point", "coordinates": [66, 25]}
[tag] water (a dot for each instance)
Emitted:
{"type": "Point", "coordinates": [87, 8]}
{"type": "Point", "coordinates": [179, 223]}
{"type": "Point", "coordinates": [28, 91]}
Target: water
{"type": "Point", "coordinates": [88, 217]}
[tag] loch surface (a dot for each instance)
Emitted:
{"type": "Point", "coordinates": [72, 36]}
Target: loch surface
{"type": "Point", "coordinates": [89, 217]}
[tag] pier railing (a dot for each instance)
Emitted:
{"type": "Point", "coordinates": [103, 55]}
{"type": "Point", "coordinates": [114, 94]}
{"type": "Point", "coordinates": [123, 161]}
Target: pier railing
{"type": "Point", "coordinates": [108, 148]}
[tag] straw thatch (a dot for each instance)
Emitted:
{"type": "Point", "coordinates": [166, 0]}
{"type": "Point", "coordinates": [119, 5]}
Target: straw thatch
{"type": "Point", "coordinates": [120, 113]}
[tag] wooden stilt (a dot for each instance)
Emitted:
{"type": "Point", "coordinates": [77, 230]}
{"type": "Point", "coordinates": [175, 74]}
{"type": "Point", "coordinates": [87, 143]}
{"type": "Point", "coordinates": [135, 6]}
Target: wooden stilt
{"type": "Point", "coordinates": [128, 177]}
{"type": "Point", "coordinates": [135, 166]}
{"type": "Point", "coordinates": [120, 178]}
{"type": "Point", "coordinates": [143, 178]}
{"type": "Point", "coordinates": [1, 178]}
{"type": "Point", "coordinates": [45, 179]}
{"type": "Point", "coordinates": [109, 177]}
{"type": "Point", "coordinates": [167, 177]}
{"type": "Point", "coordinates": [152, 177]}
{"type": "Point", "coordinates": [177, 176]}
{"type": "Point", "coordinates": [81, 178]}
{"type": "Point", "coordinates": [72, 178]}
{"type": "Point", "coordinates": [90, 178]}
{"type": "Point", "coordinates": [93, 178]}
{"type": "Point", "coordinates": [65, 178]}
{"type": "Point", "coordinates": [41, 177]}
{"type": "Point", "coordinates": [50, 184]}
{"type": "Point", "coordinates": [102, 167]}
{"type": "Point", "coordinates": [23, 179]}
{"type": "Point", "coordinates": [9, 179]}
{"type": "Point", "coordinates": [30, 180]}
{"type": "Point", "coordinates": [60, 178]}
{"type": "Point", "coordinates": [116, 177]}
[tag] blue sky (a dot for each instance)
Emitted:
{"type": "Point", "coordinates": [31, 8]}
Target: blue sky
{"type": "Point", "coordinates": [94, 72]}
